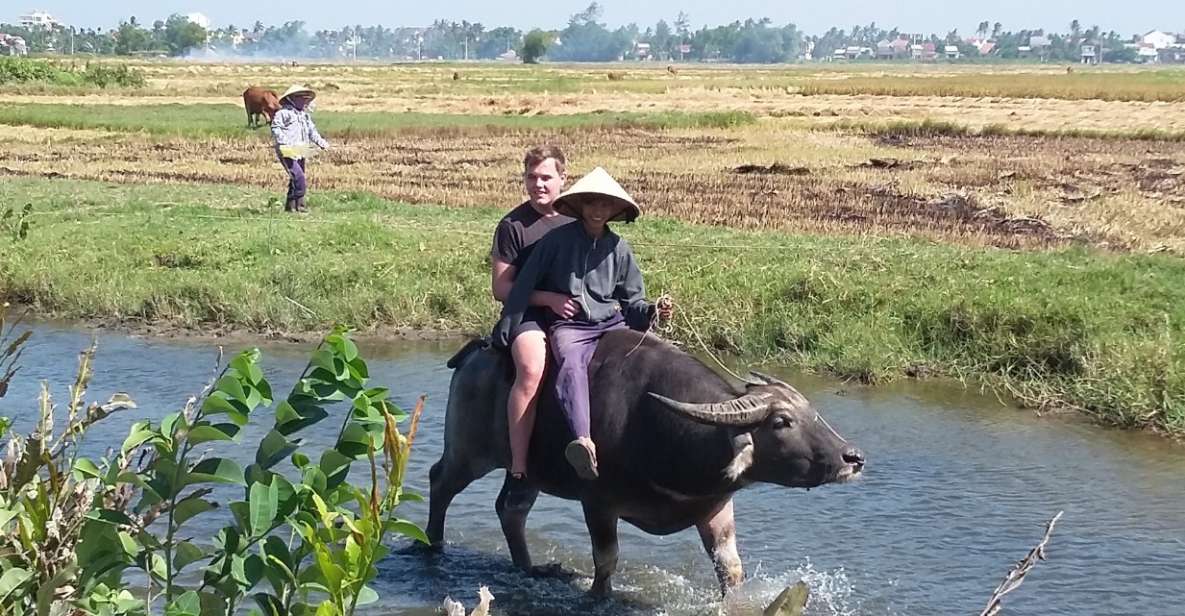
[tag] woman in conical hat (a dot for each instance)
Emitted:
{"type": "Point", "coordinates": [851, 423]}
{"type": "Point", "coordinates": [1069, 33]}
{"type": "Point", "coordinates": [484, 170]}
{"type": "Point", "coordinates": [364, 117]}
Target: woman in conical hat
{"type": "Point", "coordinates": [295, 135]}
{"type": "Point", "coordinates": [587, 261]}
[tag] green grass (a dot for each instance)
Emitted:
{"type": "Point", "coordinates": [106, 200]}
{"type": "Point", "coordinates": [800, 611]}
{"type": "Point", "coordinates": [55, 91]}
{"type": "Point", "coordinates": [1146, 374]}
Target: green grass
{"type": "Point", "coordinates": [941, 128]}
{"type": "Point", "coordinates": [230, 120]}
{"type": "Point", "coordinates": [1101, 332]}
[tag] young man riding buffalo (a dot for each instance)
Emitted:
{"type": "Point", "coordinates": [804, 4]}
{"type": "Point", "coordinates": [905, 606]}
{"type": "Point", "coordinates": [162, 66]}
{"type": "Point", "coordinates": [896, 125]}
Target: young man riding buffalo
{"type": "Point", "coordinates": [595, 271]}
{"type": "Point", "coordinates": [544, 173]}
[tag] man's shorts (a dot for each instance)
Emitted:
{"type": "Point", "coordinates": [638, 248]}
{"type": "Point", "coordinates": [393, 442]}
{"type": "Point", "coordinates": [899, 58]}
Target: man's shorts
{"type": "Point", "coordinates": [535, 319]}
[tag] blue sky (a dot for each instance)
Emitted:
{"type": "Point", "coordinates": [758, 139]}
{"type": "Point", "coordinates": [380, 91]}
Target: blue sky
{"type": "Point", "coordinates": [813, 16]}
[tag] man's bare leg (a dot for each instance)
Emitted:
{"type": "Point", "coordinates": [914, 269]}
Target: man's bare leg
{"type": "Point", "coordinates": [529, 350]}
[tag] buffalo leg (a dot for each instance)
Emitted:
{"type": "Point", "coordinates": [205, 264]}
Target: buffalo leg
{"type": "Point", "coordinates": [447, 481]}
{"type": "Point", "coordinates": [718, 532]}
{"type": "Point", "coordinates": [514, 527]}
{"type": "Point", "coordinates": [602, 529]}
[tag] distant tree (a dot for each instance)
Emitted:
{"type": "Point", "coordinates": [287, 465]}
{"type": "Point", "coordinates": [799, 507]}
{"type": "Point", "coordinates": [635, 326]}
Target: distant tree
{"type": "Point", "coordinates": [182, 35]}
{"type": "Point", "coordinates": [997, 30]}
{"type": "Point", "coordinates": [982, 30]}
{"type": "Point", "coordinates": [497, 42]}
{"type": "Point", "coordinates": [586, 39]}
{"type": "Point", "coordinates": [131, 38]}
{"type": "Point", "coordinates": [535, 46]}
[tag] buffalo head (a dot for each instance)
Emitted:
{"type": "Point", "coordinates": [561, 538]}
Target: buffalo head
{"type": "Point", "coordinates": [779, 437]}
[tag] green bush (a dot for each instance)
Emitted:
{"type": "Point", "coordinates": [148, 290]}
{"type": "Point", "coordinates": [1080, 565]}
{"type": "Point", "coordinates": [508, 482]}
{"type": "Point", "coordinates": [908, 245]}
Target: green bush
{"type": "Point", "coordinates": [24, 70]}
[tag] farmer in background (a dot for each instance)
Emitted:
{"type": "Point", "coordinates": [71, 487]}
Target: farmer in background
{"type": "Point", "coordinates": [296, 135]}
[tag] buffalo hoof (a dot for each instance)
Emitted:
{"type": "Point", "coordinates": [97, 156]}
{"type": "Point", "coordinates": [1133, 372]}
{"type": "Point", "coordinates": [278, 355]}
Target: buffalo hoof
{"type": "Point", "coordinates": [600, 591]}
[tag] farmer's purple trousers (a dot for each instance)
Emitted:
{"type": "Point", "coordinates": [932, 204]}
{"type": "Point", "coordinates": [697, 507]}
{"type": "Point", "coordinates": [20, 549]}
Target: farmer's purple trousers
{"type": "Point", "coordinates": [573, 344]}
{"type": "Point", "coordinates": [296, 180]}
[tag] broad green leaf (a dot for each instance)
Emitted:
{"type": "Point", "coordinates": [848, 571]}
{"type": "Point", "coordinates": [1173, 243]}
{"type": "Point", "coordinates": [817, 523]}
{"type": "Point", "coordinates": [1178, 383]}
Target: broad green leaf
{"type": "Point", "coordinates": [273, 448]}
{"type": "Point", "coordinates": [204, 433]}
{"type": "Point", "coordinates": [110, 516]}
{"type": "Point", "coordinates": [159, 568]}
{"type": "Point", "coordinates": [328, 609]}
{"type": "Point", "coordinates": [315, 479]}
{"type": "Point", "coordinates": [241, 512]}
{"type": "Point", "coordinates": [323, 358]}
{"type": "Point", "coordinates": [410, 497]}
{"type": "Point", "coordinates": [349, 350]}
{"type": "Point", "coordinates": [335, 466]}
{"type": "Point", "coordinates": [269, 605]}
{"type": "Point", "coordinates": [359, 370]}
{"type": "Point", "coordinates": [11, 580]}
{"type": "Point", "coordinates": [275, 548]}
{"type": "Point", "coordinates": [84, 468]}
{"type": "Point", "coordinates": [212, 603]}
{"type": "Point", "coordinates": [217, 403]}
{"type": "Point", "coordinates": [6, 516]}
{"type": "Point", "coordinates": [356, 442]}
{"type": "Point", "coordinates": [216, 470]}
{"type": "Point", "coordinates": [190, 507]}
{"type": "Point", "coordinates": [367, 595]}
{"type": "Point", "coordinates": [188, 604]}
{"type": "Point", "coordinates": [299, 460]}
{"type": "Point", "coordinates": [247, 366]}
{"type": "Point", "coordinates": [291, 419]}
{"type": "Point", "coordinates": [140, 433]}
{"type": "Point", "coordinates": [231, 386]}
{"type": "Point", "coordinates": [333, 574]}
{"type": "Point", "coordinates": [264, 503]}
{"type": "Point", "coordinates": [247, 571]}
{"type": "Point", "coordinates": [185, 554]}
{"type": "Point", "coordinates": [407, 529]}
{"type": "Point", "coordinates": [168, 425]}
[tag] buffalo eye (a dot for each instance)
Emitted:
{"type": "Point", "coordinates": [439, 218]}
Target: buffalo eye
{"type": "Point", "coordinates": [782, 421]}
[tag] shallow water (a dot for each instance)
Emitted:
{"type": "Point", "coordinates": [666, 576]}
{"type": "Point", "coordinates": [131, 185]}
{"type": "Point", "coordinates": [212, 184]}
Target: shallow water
{"type": "Point", "coordinates": [957, 489]}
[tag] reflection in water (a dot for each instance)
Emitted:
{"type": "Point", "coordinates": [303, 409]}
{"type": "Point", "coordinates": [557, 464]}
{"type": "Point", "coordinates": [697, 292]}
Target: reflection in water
{"type": "Point", "coordinates": [957, 489]}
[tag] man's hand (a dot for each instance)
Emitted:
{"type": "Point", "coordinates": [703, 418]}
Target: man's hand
{"type": "Point", "coordinates": [563, 306]}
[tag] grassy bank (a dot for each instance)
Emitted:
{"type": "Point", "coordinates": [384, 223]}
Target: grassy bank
{"type": "Point", "coordinates": [230, 120]}
{"type": "Point", "coordinates": [1095, 331]}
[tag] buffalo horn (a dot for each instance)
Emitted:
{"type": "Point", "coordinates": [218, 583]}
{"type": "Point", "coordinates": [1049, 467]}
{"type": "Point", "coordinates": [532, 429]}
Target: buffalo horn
{"type": "Point", "coordinates": [744, 411]}
{"type": "Point", "coordinates": [793, 395]}
{"type": "Point", "coordinates": [766, 379]}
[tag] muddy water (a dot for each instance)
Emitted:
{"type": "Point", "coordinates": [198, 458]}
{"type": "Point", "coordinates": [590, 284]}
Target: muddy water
{"type": "Point", "coordinates": [958, 488]}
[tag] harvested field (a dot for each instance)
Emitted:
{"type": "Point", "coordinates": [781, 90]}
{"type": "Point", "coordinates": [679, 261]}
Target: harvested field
{"type": "Point", "coordinates": [1012, 192]}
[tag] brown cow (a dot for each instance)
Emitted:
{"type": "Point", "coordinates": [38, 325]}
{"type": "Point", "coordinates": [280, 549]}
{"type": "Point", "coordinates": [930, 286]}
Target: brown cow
{"type": "Point", "coordinates": [259, 101]}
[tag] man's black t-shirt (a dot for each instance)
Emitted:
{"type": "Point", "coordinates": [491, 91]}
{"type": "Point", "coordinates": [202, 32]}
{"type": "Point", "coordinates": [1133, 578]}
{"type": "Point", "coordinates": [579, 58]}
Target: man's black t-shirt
{"type": "Point", "coordinates": [517, 232]}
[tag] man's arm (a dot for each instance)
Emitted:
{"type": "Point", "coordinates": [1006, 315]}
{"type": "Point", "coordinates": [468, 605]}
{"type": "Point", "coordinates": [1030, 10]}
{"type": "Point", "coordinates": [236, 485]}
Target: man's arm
{"type": "Point", "coordinates": [502, 281]}
{"type": "Point", "coordinates": [501, 278]}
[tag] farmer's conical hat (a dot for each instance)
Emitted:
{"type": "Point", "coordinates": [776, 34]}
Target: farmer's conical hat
{"type": "Point", "coordinates": [298, 89]}
{"type": "Point", "coordinates": [597, 184]}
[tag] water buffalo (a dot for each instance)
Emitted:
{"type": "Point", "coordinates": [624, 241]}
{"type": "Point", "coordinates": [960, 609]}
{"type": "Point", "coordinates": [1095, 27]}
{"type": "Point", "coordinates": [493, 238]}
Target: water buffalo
{"type": "Point", "coordinates": [674, 442]}
{"type": "Point", "coordinates": [259, 101]}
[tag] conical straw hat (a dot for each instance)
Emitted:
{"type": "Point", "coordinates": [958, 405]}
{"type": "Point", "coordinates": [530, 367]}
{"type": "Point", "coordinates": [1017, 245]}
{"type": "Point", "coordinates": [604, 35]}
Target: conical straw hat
{"type": "Point", "coordinates": [597, 184]}
{"type": "Point", "coordinates": [298, 89]}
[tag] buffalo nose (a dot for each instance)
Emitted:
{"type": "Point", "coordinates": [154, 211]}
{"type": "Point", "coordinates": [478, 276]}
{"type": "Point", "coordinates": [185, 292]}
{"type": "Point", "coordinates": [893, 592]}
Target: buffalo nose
{"type": "Point", "coordinates": [854, 456]}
